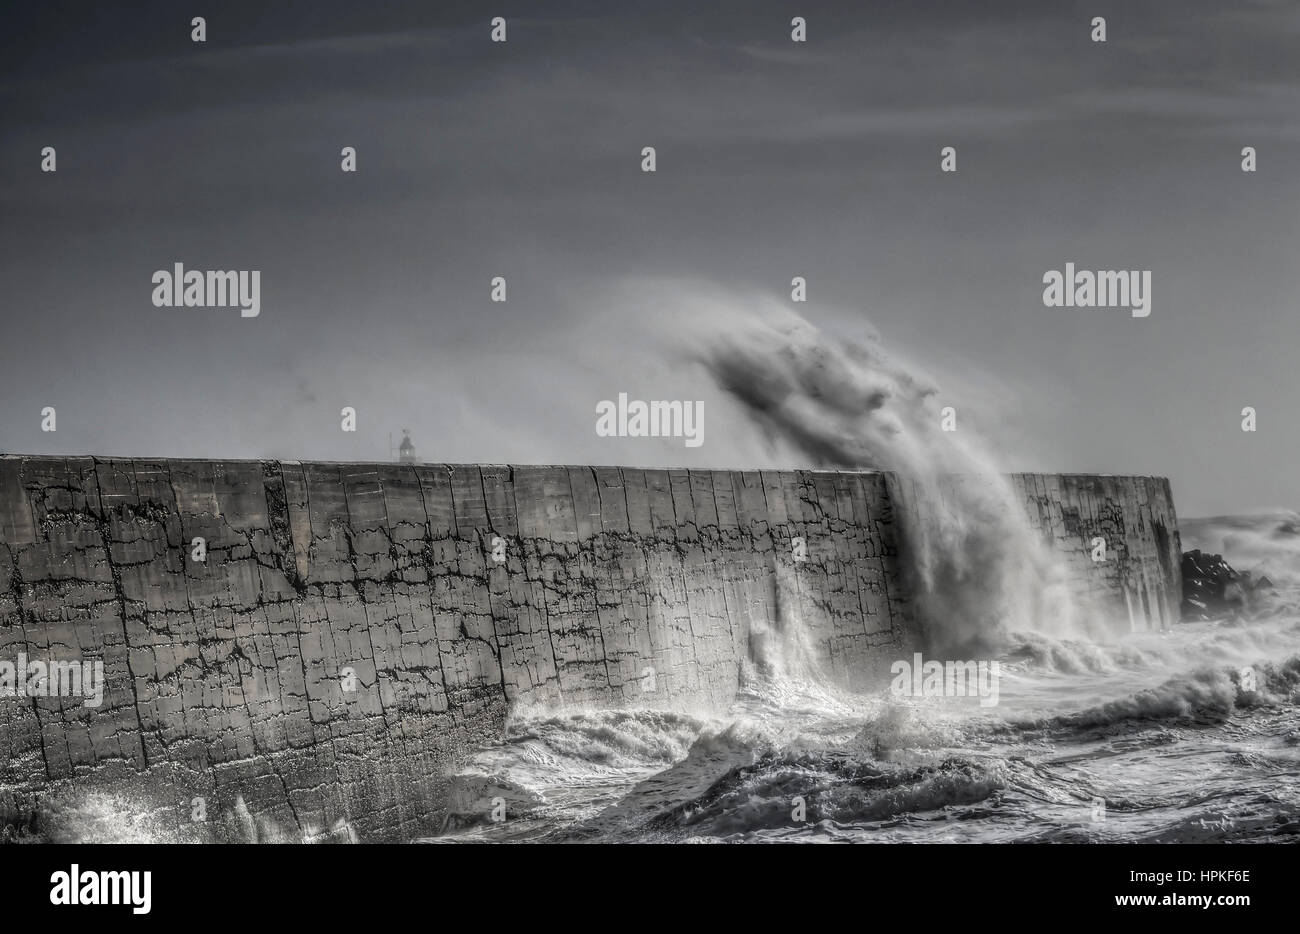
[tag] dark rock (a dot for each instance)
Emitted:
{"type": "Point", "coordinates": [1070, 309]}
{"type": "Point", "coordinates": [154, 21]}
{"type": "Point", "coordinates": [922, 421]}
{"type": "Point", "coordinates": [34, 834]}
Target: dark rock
{"type": "Point", "coordinates": [1213, 589]}
{"type": "Point", "coordinates": [1206, 583]}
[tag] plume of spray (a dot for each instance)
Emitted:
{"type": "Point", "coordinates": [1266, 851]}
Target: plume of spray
{"type": "Point", "coordinates": [979, 570]}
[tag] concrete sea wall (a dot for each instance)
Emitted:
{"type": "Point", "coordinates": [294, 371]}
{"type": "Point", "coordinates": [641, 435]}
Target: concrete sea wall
{"type": "Point", "coordinates": [1140, 581]}
{"type": "Point", "coordinates": [351, 629]}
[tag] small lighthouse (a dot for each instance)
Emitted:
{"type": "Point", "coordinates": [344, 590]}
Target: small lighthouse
{"type": "Point", "coordinates": [406, 450]}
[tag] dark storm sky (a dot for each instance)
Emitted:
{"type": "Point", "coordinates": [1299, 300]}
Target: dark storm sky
{"type": "Point", "coordinates": [775, 159]}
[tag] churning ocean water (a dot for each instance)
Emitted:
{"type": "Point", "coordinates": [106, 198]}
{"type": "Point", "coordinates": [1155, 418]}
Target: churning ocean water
{"type": "Point", "coordinates": [1190, 735]}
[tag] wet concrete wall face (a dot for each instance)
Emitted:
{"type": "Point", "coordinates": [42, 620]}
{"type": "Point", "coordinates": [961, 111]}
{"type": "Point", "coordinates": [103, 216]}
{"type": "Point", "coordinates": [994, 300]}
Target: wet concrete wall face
{"type": "Point", "coordinates": [1138, 585]}
{"type": "Point", "coordinates": [353, 628]}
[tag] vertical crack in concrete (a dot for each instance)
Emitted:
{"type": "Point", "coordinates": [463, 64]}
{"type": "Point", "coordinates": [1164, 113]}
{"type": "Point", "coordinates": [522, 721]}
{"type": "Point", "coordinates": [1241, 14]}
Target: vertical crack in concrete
{"type": "Point", "coordinates": [582, 579]}
{"type": "Point", "coordinates": [121, 605]}
{"type": "Point", "coordinates": [487, 573]}
{"type": "Point", "coordinates": [433, 609]}
{"type": "Point", "coordinates": [16, 585]}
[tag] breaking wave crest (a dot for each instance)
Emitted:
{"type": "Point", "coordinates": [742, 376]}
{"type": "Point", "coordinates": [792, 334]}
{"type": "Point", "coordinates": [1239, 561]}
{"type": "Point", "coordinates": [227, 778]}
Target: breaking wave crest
{"type": "Point", "coordinates": [978, 568]}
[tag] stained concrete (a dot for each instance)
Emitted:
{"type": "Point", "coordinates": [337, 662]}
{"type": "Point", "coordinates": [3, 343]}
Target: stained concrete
{"type": "Point", "coordinates": [351, 633]}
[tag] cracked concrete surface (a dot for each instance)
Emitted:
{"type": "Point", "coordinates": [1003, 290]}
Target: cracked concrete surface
{"type": "Point", "coordinates": [228, 680]}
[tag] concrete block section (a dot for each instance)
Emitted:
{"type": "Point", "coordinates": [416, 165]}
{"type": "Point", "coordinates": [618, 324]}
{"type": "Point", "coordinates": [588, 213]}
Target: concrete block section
{"type": "Point", "coordinates": [544, 499]}
{"type": "Point", "coordinates": [499, 499]}
{"type": "Point", "coordinates": [615, 512]}
{"type": "Point", "coordinates": [586, 500]}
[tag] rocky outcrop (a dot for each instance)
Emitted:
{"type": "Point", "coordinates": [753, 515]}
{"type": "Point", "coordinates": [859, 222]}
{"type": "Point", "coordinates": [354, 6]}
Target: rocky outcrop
{"type": "Point", "coordinates": [1213, 589]}
{"type": "Point", "coordinates": [300, 650]}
